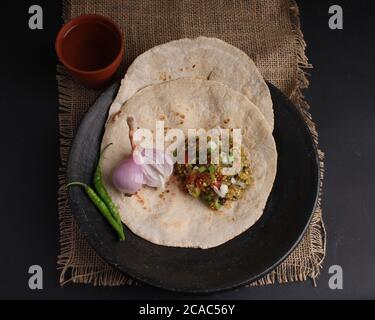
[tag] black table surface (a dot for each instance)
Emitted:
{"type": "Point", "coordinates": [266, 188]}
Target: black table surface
{"type": "Point", "coordinates": [341, 95]}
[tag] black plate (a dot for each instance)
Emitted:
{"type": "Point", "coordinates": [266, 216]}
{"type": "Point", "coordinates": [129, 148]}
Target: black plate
{"type": "Point", "coordinates": [239, 261]}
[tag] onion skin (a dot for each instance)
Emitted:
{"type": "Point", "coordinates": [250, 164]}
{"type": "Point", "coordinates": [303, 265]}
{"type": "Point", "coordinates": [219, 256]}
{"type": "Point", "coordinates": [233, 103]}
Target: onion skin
{"type": "Point", "coordinates": [127, 177]}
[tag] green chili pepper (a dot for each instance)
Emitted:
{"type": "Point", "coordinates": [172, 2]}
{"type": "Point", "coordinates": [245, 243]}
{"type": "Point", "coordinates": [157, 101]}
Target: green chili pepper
{"type": "Point", "coordinates": [202, 169]}
{"type": "Point", "coordinates": [102, 191]}
{"type": "Point", "coordinates": [100, 204]}
{"type": "Point", "coordinates": [211, 169]}
{"type": "Point", "coordinates": [217, 204]}
{"type": "Point", "coordinates": [195, 192]}
{"type": "Point", "coordinates": [207, 197]}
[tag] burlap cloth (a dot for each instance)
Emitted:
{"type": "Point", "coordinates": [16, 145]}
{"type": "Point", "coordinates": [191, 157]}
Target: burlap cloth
{"type": "Point", "coordinates": [268, 30]}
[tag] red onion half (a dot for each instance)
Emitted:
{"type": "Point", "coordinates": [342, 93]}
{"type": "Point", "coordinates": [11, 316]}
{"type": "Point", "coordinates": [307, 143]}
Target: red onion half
{"type": "Point", "coordinates": [128, 176]}
{"type": "Point", "coordinates": [144, 166]}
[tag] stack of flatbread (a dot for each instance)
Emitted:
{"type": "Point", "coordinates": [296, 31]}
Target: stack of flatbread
{"type": "Point", "coordinates": [193, 83]}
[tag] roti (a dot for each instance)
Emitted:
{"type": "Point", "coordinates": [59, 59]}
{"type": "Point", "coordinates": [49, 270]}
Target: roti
{"type": "Point", "coordinates": [173, 217]}
{"type": "Point", "coordinates": [200, 58]}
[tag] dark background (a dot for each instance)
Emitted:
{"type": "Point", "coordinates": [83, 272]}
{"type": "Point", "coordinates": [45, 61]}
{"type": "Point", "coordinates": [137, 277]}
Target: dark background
{"type": "Point", "coordinates": [342, 99]}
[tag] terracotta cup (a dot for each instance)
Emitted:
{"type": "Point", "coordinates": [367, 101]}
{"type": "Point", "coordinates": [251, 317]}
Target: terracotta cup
{"type": "Point", "coordinates": [91, 47]}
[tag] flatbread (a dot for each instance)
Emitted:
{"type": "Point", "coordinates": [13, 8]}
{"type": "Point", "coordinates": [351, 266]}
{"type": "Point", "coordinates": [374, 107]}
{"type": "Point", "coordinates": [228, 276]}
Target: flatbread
{"type": "Point", "coordinates": [200, 58]}
{"type": "Point", "coordinates": [174, 218]}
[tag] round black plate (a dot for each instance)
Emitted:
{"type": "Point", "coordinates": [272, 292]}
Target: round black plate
{"type": "Point", "coordinates": [239, 261]}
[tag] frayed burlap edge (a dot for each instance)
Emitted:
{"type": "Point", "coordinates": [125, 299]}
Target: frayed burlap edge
{"type": "Point", "coordinates": [96, 275]}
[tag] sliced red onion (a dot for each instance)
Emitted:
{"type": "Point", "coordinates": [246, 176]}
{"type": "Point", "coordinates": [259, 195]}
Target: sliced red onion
{"type": "Point", "coordinates": [145, 166]}
{"type": "Point", "coordinates": [157, 167]}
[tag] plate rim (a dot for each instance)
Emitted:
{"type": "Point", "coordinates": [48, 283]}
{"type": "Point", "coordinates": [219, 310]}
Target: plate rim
{"type": "Point", "coordinates": [137, 276]}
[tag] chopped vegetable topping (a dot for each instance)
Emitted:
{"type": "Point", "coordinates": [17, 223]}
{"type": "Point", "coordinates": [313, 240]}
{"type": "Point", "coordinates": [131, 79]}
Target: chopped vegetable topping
{"type": "Point", "coordinates": [202, 169]}
{"type": "Point", "coordinates": [206, 181]}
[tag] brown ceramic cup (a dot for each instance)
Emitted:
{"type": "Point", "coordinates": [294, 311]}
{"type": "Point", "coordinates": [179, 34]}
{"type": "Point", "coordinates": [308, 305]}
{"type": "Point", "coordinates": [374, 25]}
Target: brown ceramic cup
{"type": "Point", "coordinates": [91, 47]}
